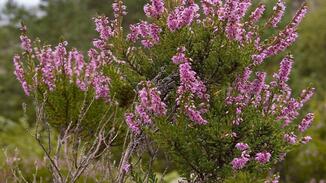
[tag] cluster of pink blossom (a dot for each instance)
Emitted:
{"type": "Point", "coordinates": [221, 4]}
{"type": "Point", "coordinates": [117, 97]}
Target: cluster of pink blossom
{"type": "Point", "coordinates": [306, 122]}
{"type": "Point", "coordinates": [190, 87]}
{"type": "Point", "coordinates": [274, 99]}
{"type": "Point", "coordinates": [155, 9]}
{"type": "Point", "coordinates": [306, 139]}
{"type": "Point", "coordinates": [210, 7]}
{"type": "Point", "coordinates": [235, 10]}
{"type": "Point", "coordinates": [51, 63]}
{"type": "Point", "coordinates": [150, 104]}
{"type": "Point", "coordinates": [104, 27]}
{"type": "Point", "coordinates": [119, 9]}
{"type": "Point", "coordinates": [182, 16]}
{"type": "Point", "coordinates": [283, 40]}
{"type": "Point", "coordinates": [290, 138]}
{"type": "Point", "coordinates": [26, 43]}
{"type": "Point", "coordinates": [148, 33]}
{"type": "Point", "coordinates": [240, 162]}
{"type": "Point", "coordinates": [242, 146]}
{"type": "Point", "coordinates": [263, 157]}
{"type": "Point", "coordinates": [19, 72]}
{"type": "Point", "coordinates": [279, 10]}
{"type": "Point", "coordinates": [257, 14]}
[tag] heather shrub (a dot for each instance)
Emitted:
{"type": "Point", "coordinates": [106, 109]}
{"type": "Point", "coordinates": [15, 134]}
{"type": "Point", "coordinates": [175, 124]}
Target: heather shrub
{"type": "Point", "coordinates": [186, 84]}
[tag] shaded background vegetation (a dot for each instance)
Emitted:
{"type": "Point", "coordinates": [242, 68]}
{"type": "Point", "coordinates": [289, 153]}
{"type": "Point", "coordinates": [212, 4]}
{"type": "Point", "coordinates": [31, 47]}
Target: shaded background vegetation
{"type": "Point", "coordinates": [55, 20]}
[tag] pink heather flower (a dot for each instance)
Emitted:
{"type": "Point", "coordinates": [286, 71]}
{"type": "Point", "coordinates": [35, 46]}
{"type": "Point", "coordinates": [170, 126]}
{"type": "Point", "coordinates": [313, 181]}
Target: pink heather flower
{"type": "Point", "coordinates": [78, 64]}
{"type": "Point", "coordinates": [259, 83]}
{"type": "Point", "coordinates": [99, 43]}
{"type": "Point", "coordinates": [285, 39]}
{"type": "Point", "coordinates": [279, 10]}
{"type": "Point", "coordinates": [290, 138]}
{"type": "Point", "coordinates": [182, 16]}
{"type": "Point", "coordinates": [143, 115]}
{"type": "Point", "coordinates": [155, 9]}
{"type": "Point", "coordinates": [48, 67]}
{"type": "Point", "coordinates": [235, 31]}
{"type": "Point", "coordinates": [19, 72]}
{"type": "Point", "coordinates": [150, 99]}
{"type": "Point", "coordinates": [143, 97]}
{"type": "Point", "coordinates": [190, 86]}
{"type": "Point", "coordinates": [119, 9]}
{"type": "Point", "coordinates": [103, 27]}
{"type": "Point", "coordinates": [148, 33]}
{"type": "Point", "coordinates": [101, 86]}
{"type": "Point", "coordinates": [26, 43]}
{"type": "Point", "coordinates": [190, 82]}
{"type": "Point", "coordinates": [150, 104]}
{"type": "Point", "coordinates": [235, 11]}
{"type": "Point", "coordinates": [306, 139]}
{"type": "Point", "coordinates": [239, 163]}
{"type": "Point", "coordinates": [263, 157]}
{"type": "Point", "coordinates": [257, 14]}
{"type": "Point", "coordinates": [132, 124]}
{"type": "Point", "coordinates": [299, 16]}
{"type": "Point", "coordinates": [306, 95]}
{"type": "Point", "coordinates": [285, 69]}
{"type": "Point", "coordinates": [68, 65]}
{"type": "Point", "coordinates": [195, 115]}
{"type": "Point", "coordinates": [306, 122]}
{"type": "Point", "coordinates": [242, 146]}
{"type": "Point", "coordinates": [209, 6]}
{"type": "Point", "coordinates": [290, 111]}
{"type": "Point", "coordinates": [59, 55]}
{"type": "Point", "coordinates": [157, 106]}
{"type": "Point", "coordinates": [180, 57]}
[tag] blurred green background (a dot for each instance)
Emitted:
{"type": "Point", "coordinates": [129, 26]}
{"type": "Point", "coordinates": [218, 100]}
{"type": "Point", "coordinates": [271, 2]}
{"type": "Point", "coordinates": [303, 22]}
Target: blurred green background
{"type": "Point", "coordinates": [54, 20]}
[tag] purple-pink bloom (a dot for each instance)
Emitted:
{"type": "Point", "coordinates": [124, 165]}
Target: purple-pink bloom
{"type": "Point", "coordinates": [285, 69]}
{"type": "Point", "coordinates": [190, 86]}
{"type": "Point", "coordinates": [157, 105]}
{"type": "Point", "coordinates": [19, 72]}
{"type": "Point", "coordinates": [103, 27]}
{"type": "Point", "coordinates": [149, 105]}
{"type": "Point", "coordinates": [180, 57]}
{"type": "Point", "coordinates": [290, 138]}
{"type": "Point", "coordinates": [119, 9]}
{"type": "Point", "coordinates": [306, 95]}
{"type": "Point", "coordinates": [155, 9]}
{"type": "Point", "coordinates": [101, 86]}
{"type": "Point", "coordinates": [257, 14]}
{"type": "Point", "coordinates": [26, 43]}
{"type": "Point", "coordinates": [240, 162]}
{"type": "Point", "coordinates": [263, 157]}
{"type": "Point", "coordinates": [182, 16]}
{"type": "Point", "coordinates": [298, 17]}
{"type": "Point", "coordinates": [143, 114]}
{"type": "Point", "coordinates": [132, 124]}
{"type": "Point", "coordinates": [48, 67]}
{"type": "Point", "coordinates": [148, 33]}
{"type": "Point", "coordinates": [306, 122]}
{"type": "Point", "coordinates": [306, 139]}
{"type": "Point", "coordinates": [242, 146]}
{"type": "Point", "coordinates": [279, 10]}
{"type": "Point", "coordinates": [195, 115]}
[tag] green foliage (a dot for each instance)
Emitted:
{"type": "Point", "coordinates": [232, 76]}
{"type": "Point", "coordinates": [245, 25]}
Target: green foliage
{"type": "Point", "coordinates": [208, 150]}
